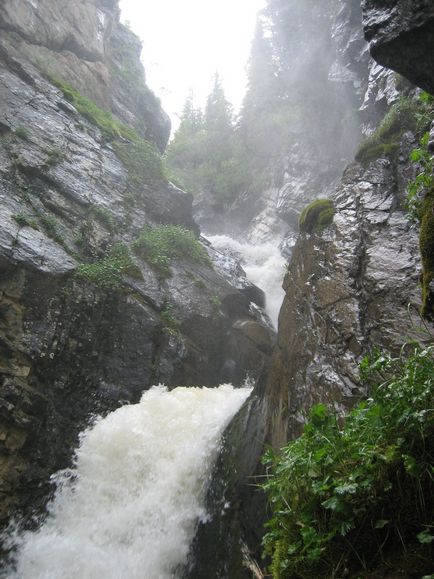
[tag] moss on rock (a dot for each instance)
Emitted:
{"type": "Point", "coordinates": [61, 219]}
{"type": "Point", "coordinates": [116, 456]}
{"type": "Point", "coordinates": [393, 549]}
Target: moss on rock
{"type": "Point", "coordinates": [426, 242]}
{"type": "Point", "coordinates": [316, 216]}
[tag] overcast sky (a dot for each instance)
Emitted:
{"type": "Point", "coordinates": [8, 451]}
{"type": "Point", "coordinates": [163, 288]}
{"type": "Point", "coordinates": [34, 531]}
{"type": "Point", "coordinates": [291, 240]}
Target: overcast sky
{"type": "Point", "coordinates": [186, 41]}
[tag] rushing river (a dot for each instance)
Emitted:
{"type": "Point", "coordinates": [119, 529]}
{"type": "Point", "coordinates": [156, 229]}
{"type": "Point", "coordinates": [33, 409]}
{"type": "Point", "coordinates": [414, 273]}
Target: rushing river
{"type": "Point", "coordinates": [264, 266]}
{"type": "Point", "coordinates": [130, 506]}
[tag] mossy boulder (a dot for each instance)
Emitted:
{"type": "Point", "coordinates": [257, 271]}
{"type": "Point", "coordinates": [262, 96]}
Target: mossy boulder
{"type": "Point", "coordinates": [426, 242]}
{"type": "Point", "coordinates": [316, 216]}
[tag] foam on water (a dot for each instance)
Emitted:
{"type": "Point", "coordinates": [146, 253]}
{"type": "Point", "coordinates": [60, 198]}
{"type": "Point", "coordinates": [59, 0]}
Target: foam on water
{"type": "Point", "coordinates": [264, 266]}
{"type": "Point", "coordinates": [130, 506]}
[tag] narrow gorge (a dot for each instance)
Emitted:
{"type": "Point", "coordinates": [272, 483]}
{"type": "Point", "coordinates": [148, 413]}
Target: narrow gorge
{"type": "Point", "coordinates": [173, 313]}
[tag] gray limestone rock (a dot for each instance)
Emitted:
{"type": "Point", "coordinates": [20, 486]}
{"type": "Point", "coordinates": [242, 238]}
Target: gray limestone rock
{"type": "Point", "coordinates": [401, 37]}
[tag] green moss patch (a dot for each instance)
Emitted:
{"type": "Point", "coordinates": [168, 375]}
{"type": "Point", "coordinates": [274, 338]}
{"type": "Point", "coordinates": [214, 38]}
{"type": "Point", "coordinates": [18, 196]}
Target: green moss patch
{"type": "Point", "coordinates": [406, 114]}
{"type": "Point", "coordinates": [316, 216]}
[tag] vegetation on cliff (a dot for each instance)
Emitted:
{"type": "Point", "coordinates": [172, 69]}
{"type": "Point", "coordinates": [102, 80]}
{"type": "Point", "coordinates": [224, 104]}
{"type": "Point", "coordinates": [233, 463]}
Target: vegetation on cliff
{"type": "Point", "coordinates": [350, 493]}
{"type": "Point", "coordinates": [140, 157]}
{"type": "Point", "coordinates": [161, 245]}
{"type": "Point", "coordinates": [406, 114]}
{"type": "Point", "coordinates": [316, 216]}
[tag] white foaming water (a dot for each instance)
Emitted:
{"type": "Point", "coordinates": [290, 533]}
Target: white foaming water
{"type": "Point", "coordinates": [264, 266]}
{"type": "Point", "coordinates": [130, 507]}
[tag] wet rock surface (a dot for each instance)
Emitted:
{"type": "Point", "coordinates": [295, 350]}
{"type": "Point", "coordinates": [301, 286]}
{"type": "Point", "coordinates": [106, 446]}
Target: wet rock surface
{"type": "Point", "coordinates": [70, 347]}
{"type": "Point", "coordinates": [401, 37]}
{"type": "Point", "coordinates": [350, 288]}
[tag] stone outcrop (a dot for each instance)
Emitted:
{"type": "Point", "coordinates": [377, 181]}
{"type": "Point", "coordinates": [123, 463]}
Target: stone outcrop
{"type": "Point", "coordinates": [401, 37]}
{"type": "Point", "coordinates": [74, 184]}
{"type": "Point", "coordinates": [348, 289]}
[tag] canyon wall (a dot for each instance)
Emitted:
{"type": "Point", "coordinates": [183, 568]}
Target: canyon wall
{"type": "Point", "coordinates": [87, 321]}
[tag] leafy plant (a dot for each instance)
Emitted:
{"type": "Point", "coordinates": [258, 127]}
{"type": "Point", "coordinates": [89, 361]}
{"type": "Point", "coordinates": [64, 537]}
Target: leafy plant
{"type": "Point", "coordinates": [104, 216]}
{"type": "Point", "coordinates": [55, 155]}
{"type": "Point", "coordinates": [24, 220]}
{"type": "Point", "coordinates": [417, 188]}
{"type": "Point", "coordinates": [316, 216]}
{"type": "Point", "coordinates": [348, 491]}
{"type": "Point", "coordinates": [142, 161]}
{"type": "Point", "coordinates": [406, 114]}
{"type": "Point", "coordinates": [107, 273]}
{"type": "Point", "coordinates": [22, 132]}
{"type": "Point", "coordinates": [51, 226]}
{"type": "Point", "coordinates": [161, 245]}
{"type": "Point", "coordinates": [171, 324]}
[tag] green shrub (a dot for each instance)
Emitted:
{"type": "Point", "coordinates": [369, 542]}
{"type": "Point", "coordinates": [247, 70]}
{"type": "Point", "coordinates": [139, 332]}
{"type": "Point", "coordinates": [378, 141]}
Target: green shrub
{"type": "Point", "coordinates": [51, 227]}
{"type": "Point", "coordinates": [22, 132]}
{"type": "Point", "coordinates": [171, 324]}
{"type": "Point", "coordinates": [55, 155]}
{"type": "Point", "coordinates": [142, 161]}
{"type": "Point", "coordinates": [347, 493]}
{"type": "Point", "coordinates": [103, 215]}
{"type": "Point", "coordinates": [316, 216]}
{"type": "Point", "coordinates": [161, 245]}
{"type": "Point", "coordinates": [406, 114]}
{"type": "Point", "coordinates": [25, 220]}
{"type": "Point", "coordinates": [423, 181]}
{"type": "Point", "coordinates": [107, 273]}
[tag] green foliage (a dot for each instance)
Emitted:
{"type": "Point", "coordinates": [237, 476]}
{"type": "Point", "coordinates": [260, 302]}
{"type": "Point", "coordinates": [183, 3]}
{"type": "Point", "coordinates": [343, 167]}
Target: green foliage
{"type": "Point", "coordinates": [347, 492]}
{"type": "Point", "coordinates": [171, 324]}
{"type": "Point", "coordinates": [21, 132]}
{"type": "Point", "coordinates": [104, 216]}
{"type": "Point", "coordinates": [107, 272]}
{"type": "Point", "coordinates": [417, 188]}
{"type": "Point", "coordinates": [107, 123]}
{"type": "Point", "coordinates": [25, 221]}
{"type": "Point", "coordinates": [316, 216]}
{"type": "Point", "coordinates": [407, 114]}
{"type": "Point", "coordinates": [55, 155]}
{"type": "Point", "coordinates": [141, 160]}
{"type": "Point", "coordinates": [202, 156]}
{"type": "Point", "coordinates": [140, 157]}
{"type": "Point", "coordinates": [161, 245]}
{"type": "Point", "coordinates": [426, 243]}
{"type": "Point", "coordinates": [51, 227]}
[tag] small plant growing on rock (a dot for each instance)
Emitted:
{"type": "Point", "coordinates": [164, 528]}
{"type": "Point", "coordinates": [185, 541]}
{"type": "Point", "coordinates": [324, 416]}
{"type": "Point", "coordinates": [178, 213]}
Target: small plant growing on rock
{"type": "Point", "coordinates": [107, 273]}
{"type": "Point", "coordinates": [55, 155]}
{"type": "Point", "coordinates": [316, 216]}
{"type": "Point", "coordinates": [24, 220]}
{"type": "Point", "coordinates": [103, 215]}
{"type": "Point", "coordinates": [171, 324]}
{"type": "Point", "coordinates": [161, 245]}
{"type": "Point", "coordinates": [22, 132]}
{"type": "Point", "coordinates": [347, 492]}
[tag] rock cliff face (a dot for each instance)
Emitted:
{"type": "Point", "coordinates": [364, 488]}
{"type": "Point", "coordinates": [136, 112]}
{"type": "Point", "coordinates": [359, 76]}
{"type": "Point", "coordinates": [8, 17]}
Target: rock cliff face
{"type": "Point", "coordinates": [77, 185]}
{"type": "Point", "coordinates": [356, 284]}
{"type": "Point", "coordinates": [401, 37]}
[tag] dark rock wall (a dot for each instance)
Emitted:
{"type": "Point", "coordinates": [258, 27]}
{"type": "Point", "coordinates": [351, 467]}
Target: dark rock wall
{"type": "Point", "coordinates": [401, 37]}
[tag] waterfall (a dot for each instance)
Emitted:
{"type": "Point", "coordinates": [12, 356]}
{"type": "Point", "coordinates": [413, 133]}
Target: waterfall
{"type": "Point", "coordinates": [264, 266]}
{"type": "Point", "coordinates": [129, 507]}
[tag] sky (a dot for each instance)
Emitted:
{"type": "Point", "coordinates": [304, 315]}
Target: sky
{"type": "Point", "coordinates": [186, 41]}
